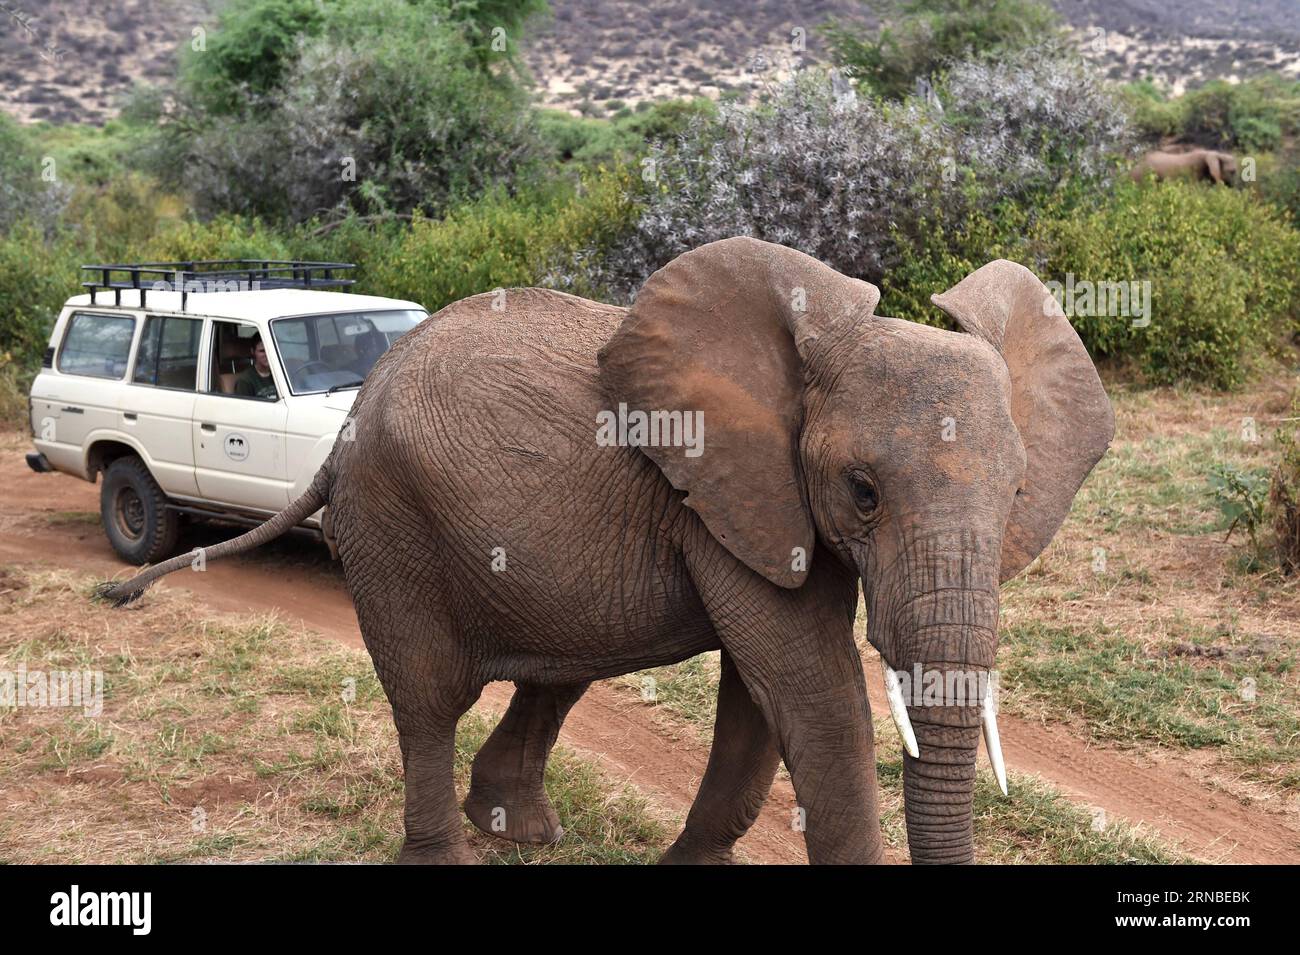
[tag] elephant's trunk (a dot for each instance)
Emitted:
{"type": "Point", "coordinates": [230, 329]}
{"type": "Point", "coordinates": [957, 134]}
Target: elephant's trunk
{"type": "Point", "coordinates": [934, 616]}
{"type": "Point", "coordinates": [948, 640]}
{"type": "Point", "coordinates": [939, 784]}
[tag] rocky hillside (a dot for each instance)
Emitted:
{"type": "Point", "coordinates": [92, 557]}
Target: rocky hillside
{"type": "Point", "coordinates": [70, 60]}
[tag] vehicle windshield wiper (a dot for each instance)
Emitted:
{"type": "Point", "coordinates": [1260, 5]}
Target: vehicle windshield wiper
{"type": "Point", "coordinates": [347, 384]}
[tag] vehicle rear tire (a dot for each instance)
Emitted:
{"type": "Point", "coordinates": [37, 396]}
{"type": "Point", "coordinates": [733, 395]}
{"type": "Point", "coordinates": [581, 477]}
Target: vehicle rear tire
{"type": "Point", "coordinates": [133, 509]}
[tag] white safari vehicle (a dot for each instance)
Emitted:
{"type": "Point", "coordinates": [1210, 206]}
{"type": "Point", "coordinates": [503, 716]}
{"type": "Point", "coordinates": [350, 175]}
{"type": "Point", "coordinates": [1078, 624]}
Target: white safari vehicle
{"type": "Point", "coordinates": [207, 389]}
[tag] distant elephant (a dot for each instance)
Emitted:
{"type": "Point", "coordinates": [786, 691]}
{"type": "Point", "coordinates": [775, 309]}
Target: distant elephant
{"type": "Point", "coordinates": [1206, 164]}
{"type": "Point", "coordinates": [495, 524]}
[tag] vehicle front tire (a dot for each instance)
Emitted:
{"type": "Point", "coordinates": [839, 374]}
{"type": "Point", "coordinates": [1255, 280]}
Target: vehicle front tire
{"type": "Point", "coordinates": [133, 509]}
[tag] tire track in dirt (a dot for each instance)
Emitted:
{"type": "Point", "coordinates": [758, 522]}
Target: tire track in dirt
{"type": "Point", "coordinates": [1209, 824]}
{"type": "Point", "coordinates": [625, 738]}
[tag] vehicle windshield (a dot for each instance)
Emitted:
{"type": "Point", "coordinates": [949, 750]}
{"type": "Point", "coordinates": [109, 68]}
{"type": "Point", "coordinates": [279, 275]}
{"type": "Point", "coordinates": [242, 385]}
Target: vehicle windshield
{"type": "Point", "coordinates": [327, 352]}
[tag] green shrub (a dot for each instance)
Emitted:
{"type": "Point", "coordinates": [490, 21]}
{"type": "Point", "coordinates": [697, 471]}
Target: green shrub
{"type": "Point", "coordinates": [949, 251]}
{"type": "Point", "coordinates": [37, 274]}
{"type": "Point", "coordinates": [115, 221]}
{"type": "Point", "coordinates": [919, 38]}
{"type": "Point", "coordinates": [1155, 114]}
{"type": "Point", "coordinates": [1248, 116]}
{"type": "Point", "coordinates": [24, 193]}
{"type": "Point", "coordinates": [248, 51]}
{"type": "Point", "coordinates": [15, 386]}
{"type": "Point", "coordinates": [1240, 496]}
{"type": "Point", "coordinates": [500, 241]}
{"type": "Point", "coordinates": [1255, 115]}
{"type": "Point", "coordinates": [1221, 267]}
{"type": "Point", "coordinates": [1277, 177]}
{"type": "Point", "coordinates": [299, 109]}
{"type": "Point", "coordinates": [228, 237]}
{"type": "Point", "coordinates": [86, 155]}
{"type": "Point", "coordinates": [592, 141]}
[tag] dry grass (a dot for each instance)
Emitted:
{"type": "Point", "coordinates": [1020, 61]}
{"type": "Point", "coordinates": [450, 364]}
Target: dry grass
{"type": "Point", "coordinates": [230, 738]}
{"type": "Point", "coordinates": [1141, 623]}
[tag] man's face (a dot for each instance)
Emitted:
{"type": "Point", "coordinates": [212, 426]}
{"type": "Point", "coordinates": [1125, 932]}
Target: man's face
{"type": "Point", "coordinates": [259, 358]}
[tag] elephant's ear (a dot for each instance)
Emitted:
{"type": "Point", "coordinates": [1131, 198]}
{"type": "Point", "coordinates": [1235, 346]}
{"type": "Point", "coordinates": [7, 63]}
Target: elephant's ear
{"type": "Point", "coordinates": [724, 330]}
{"type": "Point", "coordinates": [1057, 400]}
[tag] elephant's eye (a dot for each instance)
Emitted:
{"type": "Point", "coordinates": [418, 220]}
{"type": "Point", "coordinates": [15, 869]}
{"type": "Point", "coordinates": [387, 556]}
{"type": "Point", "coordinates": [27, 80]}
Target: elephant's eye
{"type": "Point", "coordinates": [864, 493]}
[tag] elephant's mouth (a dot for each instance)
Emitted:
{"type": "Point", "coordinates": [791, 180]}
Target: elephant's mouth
{"type": "Point", "coordinates": [941, 713]}
{"type": "Point", "coordinates": [899, 700]}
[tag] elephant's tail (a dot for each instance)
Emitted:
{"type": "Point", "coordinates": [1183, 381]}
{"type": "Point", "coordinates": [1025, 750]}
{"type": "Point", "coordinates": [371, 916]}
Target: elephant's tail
{"type": "Point", "coordinates": [312, 500]}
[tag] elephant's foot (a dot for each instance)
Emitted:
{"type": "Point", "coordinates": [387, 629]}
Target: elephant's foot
{"type": "Point", "coordinates": [455, 854]}
{"type": "Point", "coordinates": [514, 815]}
{"type": "Point", "coordinates": [687, 852]}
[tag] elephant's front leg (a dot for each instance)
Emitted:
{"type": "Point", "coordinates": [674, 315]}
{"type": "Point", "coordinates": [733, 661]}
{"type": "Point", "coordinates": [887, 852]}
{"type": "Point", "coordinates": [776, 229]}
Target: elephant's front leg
{"type": "Point", "coordinates": [742, 763]}
{"type": "Point", "coordinates": [795, 652]}
{"type": "Point", "coordinates": [507, 797]}
{"type": "Point", "coordinates": [814, 694]}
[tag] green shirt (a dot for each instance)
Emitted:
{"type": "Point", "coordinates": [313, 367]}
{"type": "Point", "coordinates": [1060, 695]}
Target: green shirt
{"type": "Point", "coordinates": [253, 385]}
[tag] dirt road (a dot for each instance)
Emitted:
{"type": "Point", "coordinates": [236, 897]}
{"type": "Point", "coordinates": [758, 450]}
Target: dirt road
{"type": "Point", "coordinates": [44, 520]}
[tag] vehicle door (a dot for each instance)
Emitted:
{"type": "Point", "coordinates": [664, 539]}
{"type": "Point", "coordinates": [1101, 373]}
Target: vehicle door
{"type": "Point", "coordinates": [239, 452]}
{"type": "Point", "coordinates": [81, 398]}
{"type": "Point", "coordinates": [157, 405]}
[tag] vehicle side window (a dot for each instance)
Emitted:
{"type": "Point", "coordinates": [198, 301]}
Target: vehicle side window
{"type": "Point", "coordinates": [98, 346]}
{"type": "Point", "coordinates": [169, 353]}
{"type": "Point", "coordinates": [240, 365]}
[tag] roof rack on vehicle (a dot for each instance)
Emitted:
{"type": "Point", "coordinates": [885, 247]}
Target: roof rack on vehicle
{"type": "Point", "coordinates": [213, 275]}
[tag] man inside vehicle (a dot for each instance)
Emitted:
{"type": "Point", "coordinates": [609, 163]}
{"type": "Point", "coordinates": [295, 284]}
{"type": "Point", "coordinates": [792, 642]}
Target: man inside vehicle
{"type": "Point", "coordinates": [255, 381]}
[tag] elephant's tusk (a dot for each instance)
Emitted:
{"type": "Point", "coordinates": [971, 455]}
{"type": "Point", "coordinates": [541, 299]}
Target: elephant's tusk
{"type": "Point", "coordinates": [898, 710]}
{"type": "Point", "coordinates": [992, 741]}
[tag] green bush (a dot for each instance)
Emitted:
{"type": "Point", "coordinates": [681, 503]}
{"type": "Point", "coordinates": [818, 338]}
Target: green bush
{"type": "Point", "coordinates": [298, 110]}
{"type": "Point", "coordinates": [249, 50]}
{"type": "Point", "coordinates": [228, 237]}
{"type": "Point", "coordinates": [592, 141]}
{"type": "Point", "coordinates": [919, 38]}
{"type": "Point", "coordinates": [1255, 115]}
{"type": "Point", "coordinates": [24, 193]}
{"type": "Point", "coordinates": [1249, 116]}
{"type": "Point", "coordinates": [86, 155]}
{"type": "Point", "coordinates": [1277, 177]}
{"type": "Point", "coordinates": [1221, 267]}
{"type": "Point", "coordinates": [500, 241]}
{"type": "Point", "coordinates": [114, 221]}
{"type": "Point", "coordinates": [37, 274]}
{"type": "Point", "coordinates": [1154, 114]}
{"type": "Point", "coordinates": [946, 253]}
{"type": "Point", "coordinates": [1240, 495]}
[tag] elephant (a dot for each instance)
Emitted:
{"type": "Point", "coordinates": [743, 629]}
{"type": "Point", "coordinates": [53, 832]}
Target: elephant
{"type": "Point", "coordinates": [502, 513]}
{"type": "Point", "coordinates": [1217, 167]}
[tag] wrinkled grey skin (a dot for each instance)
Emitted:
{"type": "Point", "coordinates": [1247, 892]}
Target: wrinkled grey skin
{"type": "Point", "coordinates": [475, 444]}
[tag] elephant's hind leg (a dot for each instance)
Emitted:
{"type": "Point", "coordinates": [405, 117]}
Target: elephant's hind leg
{"type": "Point", "coordinates": [434, 832]}
{"type": "Point", "coordinates": [742, 764]}
{"type": "Point", "coordinates": [506, 794]}
{"type": "Point", "coordinates": [430, 686]}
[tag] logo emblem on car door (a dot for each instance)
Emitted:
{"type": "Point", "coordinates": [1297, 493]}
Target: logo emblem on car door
{"type": "Point", "coordinates": [236, 446]}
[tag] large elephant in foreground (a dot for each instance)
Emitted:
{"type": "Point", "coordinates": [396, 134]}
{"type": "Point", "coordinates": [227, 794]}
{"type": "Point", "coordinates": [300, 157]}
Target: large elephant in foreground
{"type": "Point", "coordinates": [552, 491]}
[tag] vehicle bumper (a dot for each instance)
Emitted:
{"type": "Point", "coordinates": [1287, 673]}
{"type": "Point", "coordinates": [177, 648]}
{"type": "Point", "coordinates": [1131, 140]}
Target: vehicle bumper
{"type": "Point", "coordinates": [37, 462]}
